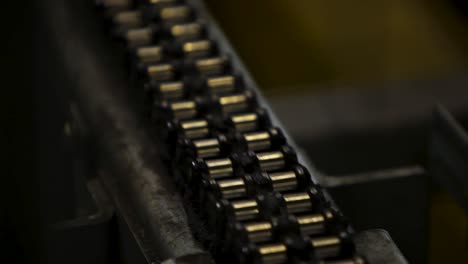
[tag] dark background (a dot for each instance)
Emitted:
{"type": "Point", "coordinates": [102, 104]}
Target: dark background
{"type": "Point", "coordinates": [19, 216]}
{"type": "Point", "coordinates": [20, 211]}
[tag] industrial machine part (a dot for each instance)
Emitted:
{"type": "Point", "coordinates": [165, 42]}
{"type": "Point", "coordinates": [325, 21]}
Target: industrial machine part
{"type": "Point", "coordinates": [192, 81]}
{"type": "Point", "coordinates": [249, 196]}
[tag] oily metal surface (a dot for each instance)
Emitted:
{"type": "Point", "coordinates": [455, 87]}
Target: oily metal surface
{"type": "Point", "coordinates": [133, 175]}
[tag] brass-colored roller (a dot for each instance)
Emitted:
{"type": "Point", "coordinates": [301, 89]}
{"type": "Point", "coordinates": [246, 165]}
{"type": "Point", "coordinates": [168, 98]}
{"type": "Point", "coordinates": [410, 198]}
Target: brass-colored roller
{"type": "Point", "coordinates": [273, 253]}
{"type": "Point", "coordinates": [219, 168]}
{"type": "Point", "coordinates": [149, 54]}
{"type": "Point", "coordinates": [311, 224]}
{"type": "Point", "coordinates": [175, 13]}
{"type": "Point", "coordinates": [272, 160]}
{"type": "Point", "coordinates": [245, 209]}
{"type": "Point", "coordinates": [183, 109]}
{"type": "Point", "coordinates": [186, 31]}
{"type": "Point", "coordinates": [283, 181]}
{"type": "Point", "coordinates": [245, 122]}
{"type": "Point", "coordinates": [258, 231]}
{"type": "Point", "coordinates": [297, 202]}
{"type": "Point", "coordinates": [326, 247]}
{"type": "Point", "coordinates": [221, 84]}
{"type": "Point", "coordinates": [193, 129]}
{"type": "Point", "coordinates": [197, 49]}
{"type": "Point", "coordinates": [257, 140]}
{"type": "Point", "coordinates": [161, 72]}
{"type": "Point", "coordinates": [206, 148]}
{"type": "Point", "coordinates": [231, 188]}
{"type": "Point", "coordinates": [171, 90]}
{"type": "Point", "coordinates": [128, 19]}
{"type": "Point", "coordinates": [139, 36]}
{"type": "Point", "coordinates": [211, 66]}
{"type": "Point", "coordinates": [234, 103]}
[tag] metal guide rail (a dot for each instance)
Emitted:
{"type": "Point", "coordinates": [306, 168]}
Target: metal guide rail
{"type": "Point", "coordinates": [235, 169]}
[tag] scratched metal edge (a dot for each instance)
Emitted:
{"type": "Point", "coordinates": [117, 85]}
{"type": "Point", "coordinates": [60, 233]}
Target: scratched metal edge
{"type": "Point", "coordinates": [143, 192]}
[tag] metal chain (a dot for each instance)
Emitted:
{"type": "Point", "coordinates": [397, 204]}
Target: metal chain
{"type": "Point", "coordinates": [255, 202]}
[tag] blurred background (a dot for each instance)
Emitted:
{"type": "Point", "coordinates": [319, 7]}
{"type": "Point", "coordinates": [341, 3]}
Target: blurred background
{"type": "Point", "coordinates": [354, 82]}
